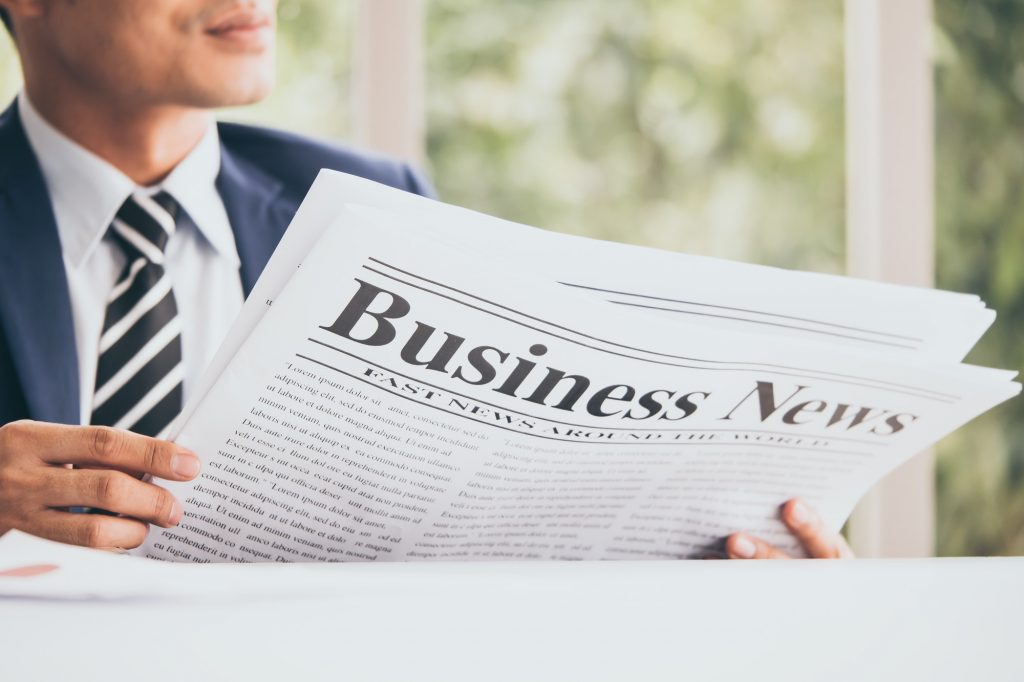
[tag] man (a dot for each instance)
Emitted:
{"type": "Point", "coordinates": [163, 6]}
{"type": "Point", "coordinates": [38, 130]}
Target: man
{"type": "Point", "coordinates": [132, 227]}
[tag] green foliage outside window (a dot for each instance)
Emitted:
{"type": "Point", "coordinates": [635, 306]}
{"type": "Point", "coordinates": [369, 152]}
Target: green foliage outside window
{"type": "Point", "coordinates": [713, 127]}
{"type": "Point", "coordinates": [980, 223]}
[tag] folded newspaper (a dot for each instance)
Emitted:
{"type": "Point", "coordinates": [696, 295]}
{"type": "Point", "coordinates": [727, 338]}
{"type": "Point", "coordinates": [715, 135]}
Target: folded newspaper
{"type": "Point", "coordinates": [414, 381]}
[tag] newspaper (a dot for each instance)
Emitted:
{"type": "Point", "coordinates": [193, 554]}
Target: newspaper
{"type": "Point", "coordinates": [409, 382]}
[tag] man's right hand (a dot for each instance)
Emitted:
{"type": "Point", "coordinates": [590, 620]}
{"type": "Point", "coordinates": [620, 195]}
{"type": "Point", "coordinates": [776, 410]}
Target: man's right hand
{"type": "Point", "coordinates": [36, 485]}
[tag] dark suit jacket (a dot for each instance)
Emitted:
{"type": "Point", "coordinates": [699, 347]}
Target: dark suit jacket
{"type": "Point", "coordinates": [263, 177]}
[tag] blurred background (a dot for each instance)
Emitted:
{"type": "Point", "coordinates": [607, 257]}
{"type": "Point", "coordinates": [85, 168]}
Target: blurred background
{"type": "Point", "coordinates": [712, 127]}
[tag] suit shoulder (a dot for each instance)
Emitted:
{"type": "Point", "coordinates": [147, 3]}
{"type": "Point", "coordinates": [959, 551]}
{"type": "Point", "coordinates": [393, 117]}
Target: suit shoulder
{"type": "Point", "coordinates": [295, 159]}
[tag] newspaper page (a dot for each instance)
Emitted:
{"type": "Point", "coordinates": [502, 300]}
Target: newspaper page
{"type": "Point", "coordinates": [404, 399]}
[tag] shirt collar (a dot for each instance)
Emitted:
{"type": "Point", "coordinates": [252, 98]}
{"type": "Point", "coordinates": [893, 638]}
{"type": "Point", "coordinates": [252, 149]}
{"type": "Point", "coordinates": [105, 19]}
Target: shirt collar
{"type": "Point", "coordinates": [86, 191]}
{"type": "Point", "coordinates": [193, 183]}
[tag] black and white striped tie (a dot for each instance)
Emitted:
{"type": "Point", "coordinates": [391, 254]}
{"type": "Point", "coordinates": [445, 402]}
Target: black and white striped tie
{"type": "Point", "coordinates": [139, 374]}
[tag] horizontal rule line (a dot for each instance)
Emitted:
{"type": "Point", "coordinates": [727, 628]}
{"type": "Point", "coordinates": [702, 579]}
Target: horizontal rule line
{"type": "Point", "coordinates": [764, 322]}
{"type": "Point", "coordinates": [745, 310]}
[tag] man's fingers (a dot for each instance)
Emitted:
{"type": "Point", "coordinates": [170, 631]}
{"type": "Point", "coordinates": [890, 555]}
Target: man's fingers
{"type": "Point", "coordinates": [113, 491]}
{"type": "Point", "coordinates": [89, 530]}
{"type": "Point", "coordinates": [116, 449]}
{"type": "Point", "coordinates": [807, 526]}
{"type": "Point", "coordinates": [743, 546]}
{"type": "Point", "coordinates": [102, 446]}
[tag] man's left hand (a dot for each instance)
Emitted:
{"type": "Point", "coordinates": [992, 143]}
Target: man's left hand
{"type": "Point", "coordinates": [805, 524]}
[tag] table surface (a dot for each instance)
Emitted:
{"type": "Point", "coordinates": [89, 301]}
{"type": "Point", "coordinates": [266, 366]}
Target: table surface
{"type": "Point", "coordinates": [943, 619]}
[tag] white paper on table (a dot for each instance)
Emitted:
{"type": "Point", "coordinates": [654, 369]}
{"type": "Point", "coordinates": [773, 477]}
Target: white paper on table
{"type": "Point", "coordinates": [36, 568]}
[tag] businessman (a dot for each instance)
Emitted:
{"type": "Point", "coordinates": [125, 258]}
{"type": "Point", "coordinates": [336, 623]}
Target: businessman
{"type": "Point", "coordinates": [132, 226]}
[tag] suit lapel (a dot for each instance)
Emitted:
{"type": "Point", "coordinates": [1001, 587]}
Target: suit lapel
{"type": "Point", "coordinates": [35, 309]}
{"type": "Point", "coordinates": [258, 211]}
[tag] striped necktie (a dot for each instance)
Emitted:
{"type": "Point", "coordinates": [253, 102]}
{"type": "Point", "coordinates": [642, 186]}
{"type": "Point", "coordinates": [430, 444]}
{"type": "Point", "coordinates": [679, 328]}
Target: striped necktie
{"type": "Point", "coordinates": [139, 373]}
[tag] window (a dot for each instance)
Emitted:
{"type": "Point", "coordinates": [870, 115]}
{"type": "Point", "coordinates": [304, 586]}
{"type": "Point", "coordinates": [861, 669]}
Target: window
{"type": "Point", "coordinates": [708, 127]}
{"type": "Point", "coordinates": [980, 229]}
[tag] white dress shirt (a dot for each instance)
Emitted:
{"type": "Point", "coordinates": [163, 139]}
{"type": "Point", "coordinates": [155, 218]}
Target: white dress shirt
{"type": "Point", "coordinates": [86, 193]}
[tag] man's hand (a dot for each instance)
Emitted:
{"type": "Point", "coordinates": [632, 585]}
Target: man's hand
{"type": "Point", "coordinates": [806, 525]}
{"type": "Point", "coordinates": [36, 485]}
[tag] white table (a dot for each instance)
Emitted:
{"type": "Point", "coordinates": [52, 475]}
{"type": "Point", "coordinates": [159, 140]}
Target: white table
{"type": "Point", "coordinates": [952, 619]}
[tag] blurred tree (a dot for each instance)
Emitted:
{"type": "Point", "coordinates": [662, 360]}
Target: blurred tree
{"type": "Point", "coordinates": [980, 170]}
{"type": "Point", "coordinates": [712, 126]}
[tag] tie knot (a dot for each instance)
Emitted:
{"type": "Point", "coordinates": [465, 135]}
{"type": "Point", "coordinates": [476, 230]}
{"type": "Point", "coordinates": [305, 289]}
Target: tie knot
{"type": "Point", "coordinates": [144, 224]}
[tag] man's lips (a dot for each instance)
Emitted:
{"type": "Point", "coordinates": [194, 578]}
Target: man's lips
{"type": "Point", "coordinates": [238, 22]}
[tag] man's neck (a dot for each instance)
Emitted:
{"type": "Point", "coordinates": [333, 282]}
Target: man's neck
{"type": "Point", "coordinates": [145, 143]}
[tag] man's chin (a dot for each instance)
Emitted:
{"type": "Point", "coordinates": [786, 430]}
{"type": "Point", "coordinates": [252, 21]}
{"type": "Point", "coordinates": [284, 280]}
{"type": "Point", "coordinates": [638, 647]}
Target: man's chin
{"type": "Point", "coordinates": [232, 93]}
